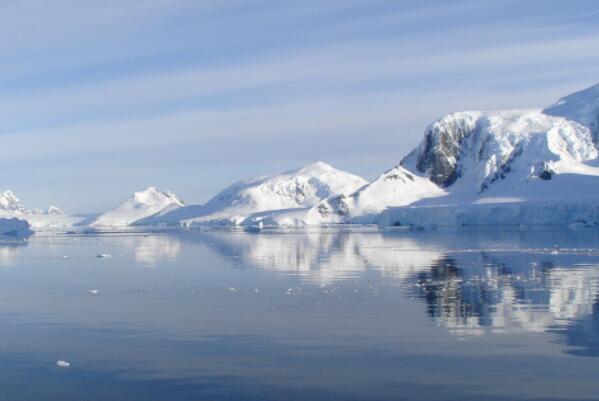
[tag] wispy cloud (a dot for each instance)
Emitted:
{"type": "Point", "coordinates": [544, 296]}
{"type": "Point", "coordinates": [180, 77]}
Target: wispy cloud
{"type": "Point", "coordinates": [158, 89]}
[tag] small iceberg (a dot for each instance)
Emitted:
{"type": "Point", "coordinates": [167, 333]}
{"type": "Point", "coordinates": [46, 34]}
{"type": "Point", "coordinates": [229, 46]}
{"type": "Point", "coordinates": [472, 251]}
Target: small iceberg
{"type": "Point", "coordinates": [16, 228]}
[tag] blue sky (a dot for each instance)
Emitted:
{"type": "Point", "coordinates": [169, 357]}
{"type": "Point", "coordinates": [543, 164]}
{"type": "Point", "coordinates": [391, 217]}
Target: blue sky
{"type": "Point", "coordinates": [100, 99]}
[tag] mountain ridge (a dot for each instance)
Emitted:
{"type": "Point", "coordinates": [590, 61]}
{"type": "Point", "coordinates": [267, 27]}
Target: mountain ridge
{"type": "Point", "coordinates": [293, 189]}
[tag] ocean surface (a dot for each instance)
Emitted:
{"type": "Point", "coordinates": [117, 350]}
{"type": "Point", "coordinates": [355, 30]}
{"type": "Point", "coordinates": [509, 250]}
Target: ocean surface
{"type": "Point", "coordinates": [360, 314]}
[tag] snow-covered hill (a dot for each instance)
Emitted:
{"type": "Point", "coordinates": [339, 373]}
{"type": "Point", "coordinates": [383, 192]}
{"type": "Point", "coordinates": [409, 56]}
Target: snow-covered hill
{"type": "Point", "coordinates": [524, 165]}
{"type": "Point", "coordinates": [300, 188]}
{"type": "Point", "coordinates": [140, 205]}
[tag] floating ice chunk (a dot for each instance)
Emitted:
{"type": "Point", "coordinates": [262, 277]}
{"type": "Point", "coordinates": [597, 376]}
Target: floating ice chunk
{"type": "Point", "coordinates": [63, 364]}
{"type": "Point", "coordinates": [94, 292]}
{"type": "Point", "coordinates": [293, 291]}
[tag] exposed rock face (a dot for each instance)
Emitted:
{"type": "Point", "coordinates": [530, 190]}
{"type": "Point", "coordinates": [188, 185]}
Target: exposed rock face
{"type": "Point", "coordinates": [335, 205]}
{"type": "Point", "coordinates": [544, 170]}
{"type": "Point", "coordinates": [439, 154]}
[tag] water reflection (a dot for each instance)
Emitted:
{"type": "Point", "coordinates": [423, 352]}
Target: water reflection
{"type": "Point", "coordinates": [525, 284]}
{"type": "Point", "coordinates": [9, 251]}
{"type": "Point", "coordinates": [471, 294]}
{"type": "Point", "coordinates": [150, 250]}
{"type": "Point", "coordinates": [325, 257]}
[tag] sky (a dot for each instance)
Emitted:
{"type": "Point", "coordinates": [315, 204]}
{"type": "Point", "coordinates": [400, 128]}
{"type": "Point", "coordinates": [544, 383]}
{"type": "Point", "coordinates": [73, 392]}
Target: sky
{"type": "Point", "coordinates": [103, 98]}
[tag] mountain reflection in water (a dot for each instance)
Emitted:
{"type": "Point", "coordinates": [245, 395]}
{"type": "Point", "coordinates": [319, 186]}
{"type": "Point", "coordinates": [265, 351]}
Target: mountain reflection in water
{"type": "Point", "coordinates": [523, 283]}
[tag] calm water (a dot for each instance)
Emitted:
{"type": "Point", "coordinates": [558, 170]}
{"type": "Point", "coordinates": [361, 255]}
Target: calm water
{"type": "Point", "coordinates": [371, 315]}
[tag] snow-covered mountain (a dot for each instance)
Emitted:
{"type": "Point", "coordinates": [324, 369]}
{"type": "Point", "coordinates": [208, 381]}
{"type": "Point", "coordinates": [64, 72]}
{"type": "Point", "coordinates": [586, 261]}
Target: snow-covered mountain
{"type": "Point", "coordinates": [395, 187]}
{"type": "Point", "coordinates": [10, 203]}
{"type": "Point", "coordinates": [532, 166]}
{"type": "Point", "coordinates": [517, 155]}
{"type": "Point", "coordinates": [537, 165]}
{"type": "Point", "coordinates": [296, 189]}
{"type": "Point", "coordinates": [140, 205]}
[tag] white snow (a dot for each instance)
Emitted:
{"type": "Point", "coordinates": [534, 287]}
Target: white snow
{"type": "Point", "coordinates": [54, 210]}
{"type": "Point", "coordinates": [10, 203]}
{"type": "Point", "coordinates": [140, 205]}
{"type": "Point", "coordinates": [582, 107]}
{"type": "Point", "coordinates": [294, 189]}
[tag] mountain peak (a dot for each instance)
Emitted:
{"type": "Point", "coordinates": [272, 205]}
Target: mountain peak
{"type": "Point", "coordinates": [10, 202]}
{"type": "Point", "coordinates": [581, 107]}
{"type": "Point", "coordinates": [316, 168]}
{"type": "Point", "coordinates": [140, 205]}
{"type": "Point", "coordinates": [299, 188]}
{"type": "Point", "coordinates": [318, 165]}
{"type": "Point", "coordinates": [151, 194]}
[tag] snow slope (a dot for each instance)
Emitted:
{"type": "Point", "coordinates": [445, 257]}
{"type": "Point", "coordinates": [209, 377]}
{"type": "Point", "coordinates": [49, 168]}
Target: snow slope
{"type": "Point", "coordinates": [300, 188]}
{"type": "Point", "coordinates": [530, 166]}
{"type": "Point", "coordinates": [582, 107]}
{"type": "Point", "coordinates": [140, 205]}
